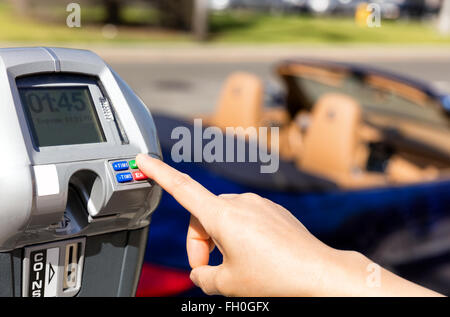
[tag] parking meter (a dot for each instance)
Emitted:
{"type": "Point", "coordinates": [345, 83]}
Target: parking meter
{"type": "Point", "coordinates": [74, 207]}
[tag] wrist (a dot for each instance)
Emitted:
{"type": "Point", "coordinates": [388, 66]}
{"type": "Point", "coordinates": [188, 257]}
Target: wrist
{"type": "Point", "coordinates": [344, 273]}
{"type": "Point", "coordinates": [353, 274]}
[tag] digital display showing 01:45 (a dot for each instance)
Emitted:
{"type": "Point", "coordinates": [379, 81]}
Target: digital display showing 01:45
{"type": "Point", "coordinates": [67, 101]}
{"type": "Point", "coordinates": [61, 115]}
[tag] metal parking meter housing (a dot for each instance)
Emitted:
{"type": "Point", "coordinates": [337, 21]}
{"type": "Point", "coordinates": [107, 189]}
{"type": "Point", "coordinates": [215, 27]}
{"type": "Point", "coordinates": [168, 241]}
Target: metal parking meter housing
{"type": "Point", "coordinates": [70, 129]}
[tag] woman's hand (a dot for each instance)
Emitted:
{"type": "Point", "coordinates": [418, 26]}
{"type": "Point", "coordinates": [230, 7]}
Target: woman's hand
{"type": "Point", "coordinates": [266, 250]}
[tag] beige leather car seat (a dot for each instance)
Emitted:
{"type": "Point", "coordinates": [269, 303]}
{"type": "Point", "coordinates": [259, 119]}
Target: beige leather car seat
{"type": "Point", "coordinates": [332, 147]}
{"type": "Point", "coordinates": [241, 104]}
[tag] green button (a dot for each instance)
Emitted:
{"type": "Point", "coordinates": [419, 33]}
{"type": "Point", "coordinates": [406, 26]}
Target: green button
{"type": "Point", "coordinates": [133, 165]}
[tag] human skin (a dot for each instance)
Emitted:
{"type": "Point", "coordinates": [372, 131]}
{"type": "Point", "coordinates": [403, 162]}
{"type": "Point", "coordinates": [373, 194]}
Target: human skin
{"type": "Point", "coordinates": [266, 250]}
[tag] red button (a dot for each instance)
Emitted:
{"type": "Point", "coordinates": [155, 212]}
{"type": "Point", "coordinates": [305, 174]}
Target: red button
{"type": "Point", "coordinates": [139, 176]}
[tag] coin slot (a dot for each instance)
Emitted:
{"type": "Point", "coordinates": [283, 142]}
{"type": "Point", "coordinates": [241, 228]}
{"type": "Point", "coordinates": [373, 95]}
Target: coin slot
{"type": "Point", "coordinates": [71, 266]}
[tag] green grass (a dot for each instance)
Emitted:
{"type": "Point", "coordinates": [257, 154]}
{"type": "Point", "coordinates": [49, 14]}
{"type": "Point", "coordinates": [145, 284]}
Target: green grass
{"type": "Point", "coordinates": [15, 28]}
{"type": "Point", "coordinates": [234, 28]}
{"type": "Point", "coordinates": [253, 28]}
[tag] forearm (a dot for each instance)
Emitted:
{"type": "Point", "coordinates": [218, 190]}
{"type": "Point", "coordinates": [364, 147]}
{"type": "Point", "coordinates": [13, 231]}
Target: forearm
{"type": "Point", "coordinates": [353, 274]}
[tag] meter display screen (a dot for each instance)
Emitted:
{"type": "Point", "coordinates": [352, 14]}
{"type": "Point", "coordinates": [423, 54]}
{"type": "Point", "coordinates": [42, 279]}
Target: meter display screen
{"type": "Point", "coordinates": [61, 115]}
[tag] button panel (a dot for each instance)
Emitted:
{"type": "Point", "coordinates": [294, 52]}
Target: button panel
{"type": "Point", "coordinates": [127, 172]}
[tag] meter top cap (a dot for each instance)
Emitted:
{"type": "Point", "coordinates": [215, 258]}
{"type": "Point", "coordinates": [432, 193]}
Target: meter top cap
{"type": "Point", "coordinates": [70, 129]}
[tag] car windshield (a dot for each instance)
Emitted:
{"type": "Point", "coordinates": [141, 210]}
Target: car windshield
{"type": "Point", "coordinates": [376, 95]}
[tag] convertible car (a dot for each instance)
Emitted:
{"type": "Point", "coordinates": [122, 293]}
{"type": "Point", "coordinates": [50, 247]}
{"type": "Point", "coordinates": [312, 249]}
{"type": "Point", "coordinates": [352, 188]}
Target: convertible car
{"type": "Point", "coordinates": [364, 165]}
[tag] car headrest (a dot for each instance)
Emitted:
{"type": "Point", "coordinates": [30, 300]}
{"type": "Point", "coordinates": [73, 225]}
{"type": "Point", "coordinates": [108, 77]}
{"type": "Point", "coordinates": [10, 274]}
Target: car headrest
{"type": "Point", "coordinates": [331, 140]}
{"type": "Point", "coordinates": [240, 103]}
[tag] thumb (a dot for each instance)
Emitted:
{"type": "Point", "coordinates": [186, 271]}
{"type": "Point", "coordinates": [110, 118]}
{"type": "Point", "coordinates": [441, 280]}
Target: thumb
{"type": "Point", "coordinates": [205, 277]}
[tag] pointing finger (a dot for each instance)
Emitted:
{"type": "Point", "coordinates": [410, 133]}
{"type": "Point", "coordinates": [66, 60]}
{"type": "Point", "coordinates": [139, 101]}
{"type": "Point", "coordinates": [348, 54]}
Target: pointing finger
{"type": "Point", "coordinates": [199, 201]}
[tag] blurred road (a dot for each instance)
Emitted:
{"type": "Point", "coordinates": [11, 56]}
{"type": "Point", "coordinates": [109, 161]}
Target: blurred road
{"type": "Point", "coordinates": [191, 83]}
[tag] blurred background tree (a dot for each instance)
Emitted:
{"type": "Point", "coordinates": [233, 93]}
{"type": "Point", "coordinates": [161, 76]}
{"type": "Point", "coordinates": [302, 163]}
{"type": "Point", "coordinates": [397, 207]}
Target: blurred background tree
{"type": "Point", "coordinates": [185, 15]}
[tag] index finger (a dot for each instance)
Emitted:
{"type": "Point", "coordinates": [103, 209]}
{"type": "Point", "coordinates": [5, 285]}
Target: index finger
{"type": "Point", "coordinates": [191, 195]}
